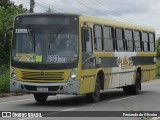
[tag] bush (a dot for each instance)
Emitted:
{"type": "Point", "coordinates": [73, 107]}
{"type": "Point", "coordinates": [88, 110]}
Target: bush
{"type": "Point", "coordinates": [158, 67]}
{"type": "Point", "coordinates": [4, 79]}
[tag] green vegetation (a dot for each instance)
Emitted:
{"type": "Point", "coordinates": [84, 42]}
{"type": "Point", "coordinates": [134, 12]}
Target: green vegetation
{"type": "Point", "coordinates": [8, 11]}
{"type": "Point", "coordinates": [158, 47]}
{"type": "Point", "coordinates": [158, 67]}
{"type": "Point", "coordinates": [158, 57]}
{"type": "Point", "coordinates": [4, 79]}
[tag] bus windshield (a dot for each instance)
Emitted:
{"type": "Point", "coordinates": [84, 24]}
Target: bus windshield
{"type": "Point", "coordinates": [46, 45]}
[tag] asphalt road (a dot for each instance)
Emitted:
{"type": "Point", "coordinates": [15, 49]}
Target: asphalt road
{"type": "Point", "coordinates": [111, 100]}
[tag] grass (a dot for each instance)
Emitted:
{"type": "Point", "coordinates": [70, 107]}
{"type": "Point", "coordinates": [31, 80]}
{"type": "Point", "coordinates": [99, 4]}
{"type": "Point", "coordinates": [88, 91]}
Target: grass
{"type": "Point", "coordinates": [4, 79]}
{"type": "Point", "coordinates": [158, 67]}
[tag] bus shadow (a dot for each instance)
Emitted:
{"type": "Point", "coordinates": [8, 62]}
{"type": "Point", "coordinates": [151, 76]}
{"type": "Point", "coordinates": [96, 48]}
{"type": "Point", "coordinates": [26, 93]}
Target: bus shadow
{"type": "Point", "coordinates": [117, 94]}
{"type": "Point", "coordinates": [80, 100]}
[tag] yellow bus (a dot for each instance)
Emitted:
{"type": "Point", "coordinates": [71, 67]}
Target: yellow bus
{"type": "Point", "coordinates": [79, 54]}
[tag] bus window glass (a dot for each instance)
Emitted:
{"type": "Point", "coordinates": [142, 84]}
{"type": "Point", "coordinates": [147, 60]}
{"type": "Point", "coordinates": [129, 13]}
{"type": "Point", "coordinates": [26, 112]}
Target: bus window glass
{"type": "Point", "coordinates": [151, 42]}
{"type": "Point", "coordinates": [98, 38]}
{"type": "Point", "coordinates": [137, 41]}
{"type": "Point", "coordinates": [145, 41]}
{"type": "Point", "coordinates": [107, 38]}
{"type": "Point", "coordinates": [119, 36]}
{"type": "Point", "coordinates": [129, 40]}
{"type": "Point", "coordinates": [51, 46]}
{"type": "Point", "coordinates": [87, 44]}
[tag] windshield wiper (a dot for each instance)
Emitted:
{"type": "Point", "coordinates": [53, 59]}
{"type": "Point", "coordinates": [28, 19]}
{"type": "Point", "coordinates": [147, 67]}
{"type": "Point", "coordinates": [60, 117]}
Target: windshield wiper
{"type": "Point", "coordinates": [59, 32]}
{"type": "Point", "coordinates": [31, 37]}
{"type": "Point", "coordinates": [61, 29]}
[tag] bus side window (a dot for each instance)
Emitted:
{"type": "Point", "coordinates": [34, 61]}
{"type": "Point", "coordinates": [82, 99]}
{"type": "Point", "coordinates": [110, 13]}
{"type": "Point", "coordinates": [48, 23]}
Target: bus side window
{"type": "Point", "coordinates": [137, 42]}
{"type": "Point", "coordinates": [98, 38]}
{"type": "Point", "coordinates": [119, 36]}
{"type": "Point", "coordinates": [129, 40]}
{"type": "Point", "coordinates": [108, 38]}
{"type": "Point", "coordinates": [86, 40]}
{"type": "Point", "coordinates": [151, 42]}
{"type": "Point", "coordinates": [145, 41]}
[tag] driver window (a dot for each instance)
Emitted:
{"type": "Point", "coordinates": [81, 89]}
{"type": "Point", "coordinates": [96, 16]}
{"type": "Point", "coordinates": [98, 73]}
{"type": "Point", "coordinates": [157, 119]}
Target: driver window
{"type": "Point", "coordinates": [87, 40]}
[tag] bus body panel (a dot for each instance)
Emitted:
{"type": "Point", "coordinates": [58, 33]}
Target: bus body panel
{"type": "Point", "coordinates": [116, 75]}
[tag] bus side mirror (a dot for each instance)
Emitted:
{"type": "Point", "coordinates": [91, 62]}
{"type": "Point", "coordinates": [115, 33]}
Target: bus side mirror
{"type": "Point", "coordinates": [85, 34]}
{"type": "Point", "coordinates": [6, 38]}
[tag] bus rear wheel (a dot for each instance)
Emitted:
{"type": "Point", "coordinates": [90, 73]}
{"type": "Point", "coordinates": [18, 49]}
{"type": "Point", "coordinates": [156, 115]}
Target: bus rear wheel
{"type": "Point", "coordinates": [134, 89]}
{"type": "Point", "coordinates": [94, 96]}
{"type": "Point", "coordinates": [40, 97]}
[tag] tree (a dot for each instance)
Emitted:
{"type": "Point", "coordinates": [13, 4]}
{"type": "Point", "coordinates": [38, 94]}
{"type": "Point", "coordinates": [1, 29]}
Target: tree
{"type": "Point", "coordinates": [49, 10]}
{"type": "Point", "coordinates": [4, 3]}
{"type": "Point", "coordinates": [158, 47]}
{"type": "Point", "coordinates": [8, 11]}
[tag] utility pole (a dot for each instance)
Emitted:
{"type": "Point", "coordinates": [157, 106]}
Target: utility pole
{"type": "Point", "coordinates": [32, 3]}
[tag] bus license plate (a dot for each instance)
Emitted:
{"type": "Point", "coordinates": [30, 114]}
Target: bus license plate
{"type": "Point", "coordinates": [42, 88]}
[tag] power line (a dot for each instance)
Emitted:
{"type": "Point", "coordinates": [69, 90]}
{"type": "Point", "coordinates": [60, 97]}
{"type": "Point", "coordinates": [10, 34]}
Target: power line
{"type": "Point", "coordinates": [52, 5]}
{"type": "Point", "coordinates": [97, 9]}
{"type": "Point", "coordinates": [39, 6]}
{"type": "Point", "coordinates": [116, 13]}
{"type": "Point", "coordinates": [90, 8]}
{"type": "Point", "coordinates": [73, 6]}
{"type": "Point", "coordinates": [104, 9]}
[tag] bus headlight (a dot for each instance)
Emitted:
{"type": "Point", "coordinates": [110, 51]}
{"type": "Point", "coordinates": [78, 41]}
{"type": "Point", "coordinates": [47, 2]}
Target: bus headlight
{"type": "Point", "coordinates": [13, 70]}
{"type": "Point", "coordinates": [13, 74]}
{"type": "Point", "coordinates": [73, 74]}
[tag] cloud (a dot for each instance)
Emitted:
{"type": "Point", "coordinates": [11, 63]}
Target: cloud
{"type": "Point", "coordinates": [128, 6]}
{"type": "Point", "coordinates": [144, 12]}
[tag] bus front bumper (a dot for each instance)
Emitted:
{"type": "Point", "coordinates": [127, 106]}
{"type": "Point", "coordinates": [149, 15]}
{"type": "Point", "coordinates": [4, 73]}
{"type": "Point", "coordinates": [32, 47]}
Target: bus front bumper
{"type": "Point", "coordinates": [69, 87]}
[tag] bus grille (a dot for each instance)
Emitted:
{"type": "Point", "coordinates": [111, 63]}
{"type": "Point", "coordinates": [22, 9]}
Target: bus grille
{"type": "Point", "coordinates": [42, 75]}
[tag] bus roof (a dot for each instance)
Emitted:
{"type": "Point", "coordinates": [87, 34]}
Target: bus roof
{"type": "Point", "coordinates": [49, 14]}
{"type": "Point", "coordinates": [98, 20]}
{"type": "Point", "coordinates": [115, 23]}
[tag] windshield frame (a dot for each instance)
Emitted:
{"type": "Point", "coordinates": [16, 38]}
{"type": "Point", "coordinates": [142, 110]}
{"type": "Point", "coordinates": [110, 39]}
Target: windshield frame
{"type": "Point", "coordinates": [43, 66]}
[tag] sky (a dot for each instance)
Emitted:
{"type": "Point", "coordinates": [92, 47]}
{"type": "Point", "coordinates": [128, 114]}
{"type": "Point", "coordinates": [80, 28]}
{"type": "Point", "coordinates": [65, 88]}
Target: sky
{"type": "Point", "coordinates": [141, 12]}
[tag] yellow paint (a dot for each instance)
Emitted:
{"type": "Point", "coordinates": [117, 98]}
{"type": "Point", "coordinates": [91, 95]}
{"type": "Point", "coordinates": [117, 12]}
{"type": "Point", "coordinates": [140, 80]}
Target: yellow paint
{"type": "Point", "coordinates": [30, 72]}
{"type": "Point", "coordinates": [87, 84]}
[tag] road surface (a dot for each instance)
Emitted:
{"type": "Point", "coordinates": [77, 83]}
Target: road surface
{"type": "Point", "coordinates": [111, 100]}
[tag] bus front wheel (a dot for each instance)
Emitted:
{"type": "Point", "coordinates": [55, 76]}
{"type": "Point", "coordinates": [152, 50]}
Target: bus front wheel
{"type": "Point", "coordinates": [134, 89]}
{"type": "Point", "coordinates": [40, 97]}
{"type": "Point", "coordinates": [94, 96]}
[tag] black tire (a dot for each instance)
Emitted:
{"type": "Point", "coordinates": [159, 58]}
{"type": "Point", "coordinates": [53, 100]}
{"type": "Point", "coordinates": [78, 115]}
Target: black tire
{"type": "Point", "coordinates": [127, 90]}
{"type": "Point", "coordinates": [134, 89]}
{"type": "Point", "coordinates": [40, 97]}
{"type": "Point", "coordinates": [94, 96]}
{"type": "Point", "coordinates": [137, 86]}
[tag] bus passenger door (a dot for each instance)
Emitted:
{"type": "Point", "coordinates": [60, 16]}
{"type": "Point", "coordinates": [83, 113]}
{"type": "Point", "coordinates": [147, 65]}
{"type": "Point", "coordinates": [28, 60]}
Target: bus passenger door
{"type": "Point", "coordinates": [88, 61]}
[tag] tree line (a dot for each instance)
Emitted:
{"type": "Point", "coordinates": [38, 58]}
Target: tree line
{"type": "Point", "coordinates": [8, 11]}
{"type": "Point", "coordinates": [158, 47]}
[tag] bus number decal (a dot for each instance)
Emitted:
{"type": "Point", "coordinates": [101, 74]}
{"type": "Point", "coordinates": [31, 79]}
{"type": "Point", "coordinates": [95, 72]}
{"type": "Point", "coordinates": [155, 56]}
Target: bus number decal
{"type": "Point", "coordinates": [56, 59]}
